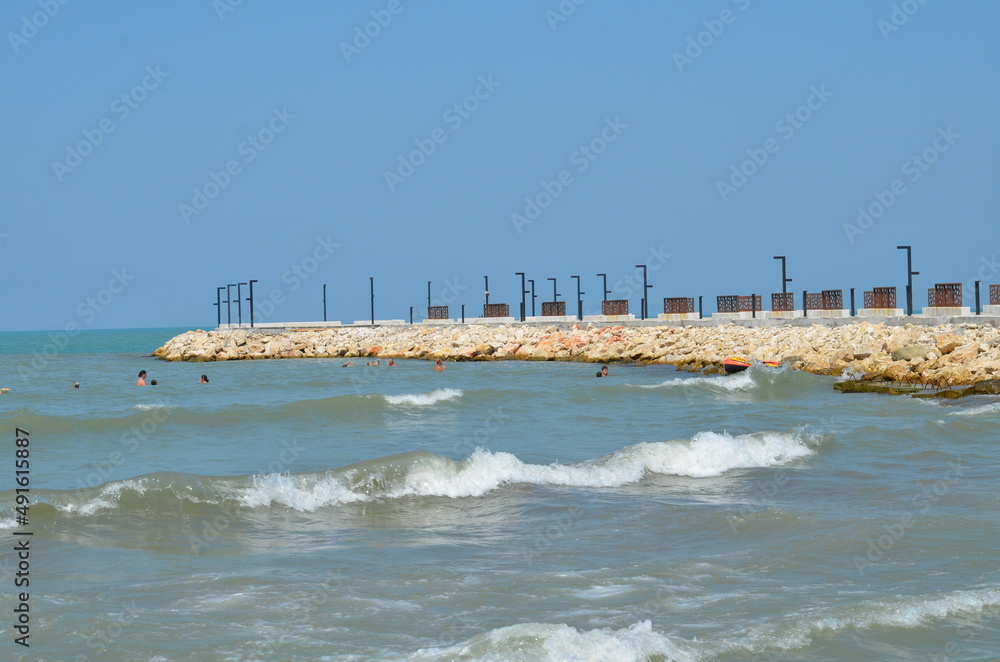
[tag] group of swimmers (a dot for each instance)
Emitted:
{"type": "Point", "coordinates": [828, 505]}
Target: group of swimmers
{"type": "Point", "coordinates": [439, 366]}
{"type": "Point", "coordinates": [141, 381]}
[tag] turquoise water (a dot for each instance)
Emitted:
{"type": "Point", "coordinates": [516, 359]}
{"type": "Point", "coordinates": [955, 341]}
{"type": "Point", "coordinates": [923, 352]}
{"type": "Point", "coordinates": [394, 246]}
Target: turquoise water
{"type": "Point", "coordinates": [300, 510]}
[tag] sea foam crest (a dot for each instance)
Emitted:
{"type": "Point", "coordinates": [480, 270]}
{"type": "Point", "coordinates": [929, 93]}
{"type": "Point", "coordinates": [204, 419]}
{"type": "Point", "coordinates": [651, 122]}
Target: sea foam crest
{"type": "Point", "coordinates": [743, 381]}
{"type": "Point", "coordinates": [912, 612]}
{"type": "Point", "coordinates": [424, 399]}
{"type": "Point", "coordinates": [550, 642]}
{"type": "Point", "coordinates": [425, 474]}
{"type": "Point", "coordinates": [992, 408]}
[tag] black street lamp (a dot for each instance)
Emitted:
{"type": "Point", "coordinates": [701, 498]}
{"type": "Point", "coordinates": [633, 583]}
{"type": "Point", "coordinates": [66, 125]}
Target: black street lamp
{"type": "Point", "coordinates": [371, 289]}
{"type": "Point", "coordinates": [218, 304]}
{"type": "Point", "coordinates": [239, 304]}
{"type": "Point", "coordinates": [428, 298]}
{"type": "Point", "coordinates": [784, 281]}
{"type": "Point", "coordinates": [324, 302]}
{"type": "Point", "coordinates": [555, 295]}
{"type": "Point", "coordinates": [229, 310]}
{"type": "Point", "coordinates": [487, 279]}
{"type": "Point", "coordinates": [250, 298]}
{"type": "Point", "coordinates": [604, 286]}
{"type": "Point", "coordinates": [910, 273]}
{"type": "Point", "coordinates": [523, 292]}
{"type": "Point", "coordinates": [533, 296]}
{"type": "Point", "coordinates": [579, 301]}
{"type": "Point", "coordinates": [645, 291]}
{"type": "Point", "coordinates": [411, 314]}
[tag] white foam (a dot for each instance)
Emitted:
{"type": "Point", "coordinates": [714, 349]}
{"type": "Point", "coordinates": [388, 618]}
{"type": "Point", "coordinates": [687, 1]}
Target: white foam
{"type": "Point", "coordinates": [556, 643]}
{"type": "Point", "coordinates": [147, 407]}
{"type": "Point", "coordinates": [298, 492]}
{"type": "Point", "coordinates": [707, 454]}
{"type": "Point", "coordinates": [424, 399]}
{"type": "Point", "coordinates": [904, 613]}
{"type": "Point", "coordinates": [107, 498]}
{"type": "Point", "coordinates": [991, 408]}
{"type": "Point", "coordinates": [742, 381]}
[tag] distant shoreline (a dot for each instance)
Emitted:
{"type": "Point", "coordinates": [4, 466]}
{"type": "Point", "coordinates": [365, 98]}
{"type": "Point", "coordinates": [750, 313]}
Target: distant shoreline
{"type": "Point", "coordinates": [941, 355]}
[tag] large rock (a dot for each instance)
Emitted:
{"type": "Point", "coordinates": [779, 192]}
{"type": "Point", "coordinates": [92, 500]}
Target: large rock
{"type": "Point", "coordinates": [910, 352]}
{"type": "Point", "coordinates": [947, 343]}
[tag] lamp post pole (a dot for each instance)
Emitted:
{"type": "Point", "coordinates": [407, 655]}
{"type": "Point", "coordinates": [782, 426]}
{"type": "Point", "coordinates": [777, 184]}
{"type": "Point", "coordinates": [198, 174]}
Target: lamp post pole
{"type": "Point", "coordinates": [239, 304]}
{"type": "Point", "coordinates": [533, 296]}
{"type": "Point", "coordinates": [523, 292]}
{"type": "Point", "coordinates": [487, 280]}
{"type": "Point", "coordinates": [251, 302]}
{"type": "Point", "coordinates": [371, 290]}
{"type": "Point", "coordinates": [645, 291]}
{"type": "Point", "coordinates": [604, 286]}
{"type": "Point", "coordinates": [784, 280]}
{"type": "Point", "coordinates": [579, 301]}
{"type": "Point", "coordinates": [910, 273]}
{"type": "Point", "coordinates": [229, 310]}
{"type": "Point", "coordinates": [555, 295]}
{"type": "Point", "coordinates": [324, 302]}
{"type": "Point", "coordinates": [218, 305]}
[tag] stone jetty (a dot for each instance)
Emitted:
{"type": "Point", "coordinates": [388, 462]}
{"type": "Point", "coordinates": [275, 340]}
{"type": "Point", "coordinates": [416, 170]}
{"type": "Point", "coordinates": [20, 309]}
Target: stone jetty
{"type": "Point", "coordinates": [942, 355]}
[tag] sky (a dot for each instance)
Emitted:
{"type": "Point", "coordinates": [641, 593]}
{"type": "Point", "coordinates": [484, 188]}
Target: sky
{"type": "Point", "coordinates": [153, 152]}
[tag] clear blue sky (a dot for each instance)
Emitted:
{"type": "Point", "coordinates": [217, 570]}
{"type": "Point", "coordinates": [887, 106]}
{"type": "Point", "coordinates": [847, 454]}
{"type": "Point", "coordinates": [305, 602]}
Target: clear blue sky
{"type": "Point", "coordinates": [115, 113]}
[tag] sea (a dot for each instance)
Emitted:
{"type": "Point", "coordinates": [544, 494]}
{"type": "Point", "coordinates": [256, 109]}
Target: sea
{"type": "Point", "coordinates": [299, 509]}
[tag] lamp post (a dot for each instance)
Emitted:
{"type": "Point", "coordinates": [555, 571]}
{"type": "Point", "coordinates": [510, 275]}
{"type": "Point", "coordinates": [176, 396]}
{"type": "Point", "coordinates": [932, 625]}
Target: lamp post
{"type": "Point", "coordinates": [239, 304]}
{"type": "Point", "coordinates": [604, 286]}
{"type": "Point", "coordinates": [371, 289]}
{"type": "Point", "coordinates": [428, 298]}
{"type": "Point", "coordinates": [533, 296]}
{"type": "Point", "coordinates": [645, 291]}
{"type": "Point", "coordinates": [700, 315]}
{"type": "Point", "coordinates": [523, 292]}
{"type": "Point", "coordinates": [229, 310]}
{"type": "Point", "coordinates": [324, 302]}
{"type": "Point", "coordinates": [555, 295]}
{"type": "Point", "coordinates": [251, 302]}
{"type": "Point", "coordinates": [910, 273]}
{"type": "Point", "coordinates": [579, 301]}
{"type": "Point", "coordinates": [411, 314]}
{"type": "Point", "coordinates": [218, 305]}
{"type": "Point", "coordinates": [784, 281]}
{"type": "Point", "coordinates": [487, 279]}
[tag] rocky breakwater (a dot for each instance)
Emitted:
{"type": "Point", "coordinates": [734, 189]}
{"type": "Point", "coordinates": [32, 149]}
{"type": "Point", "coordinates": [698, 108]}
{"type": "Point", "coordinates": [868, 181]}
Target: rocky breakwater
{"type": "Point", "coordinates": [946, 355]}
